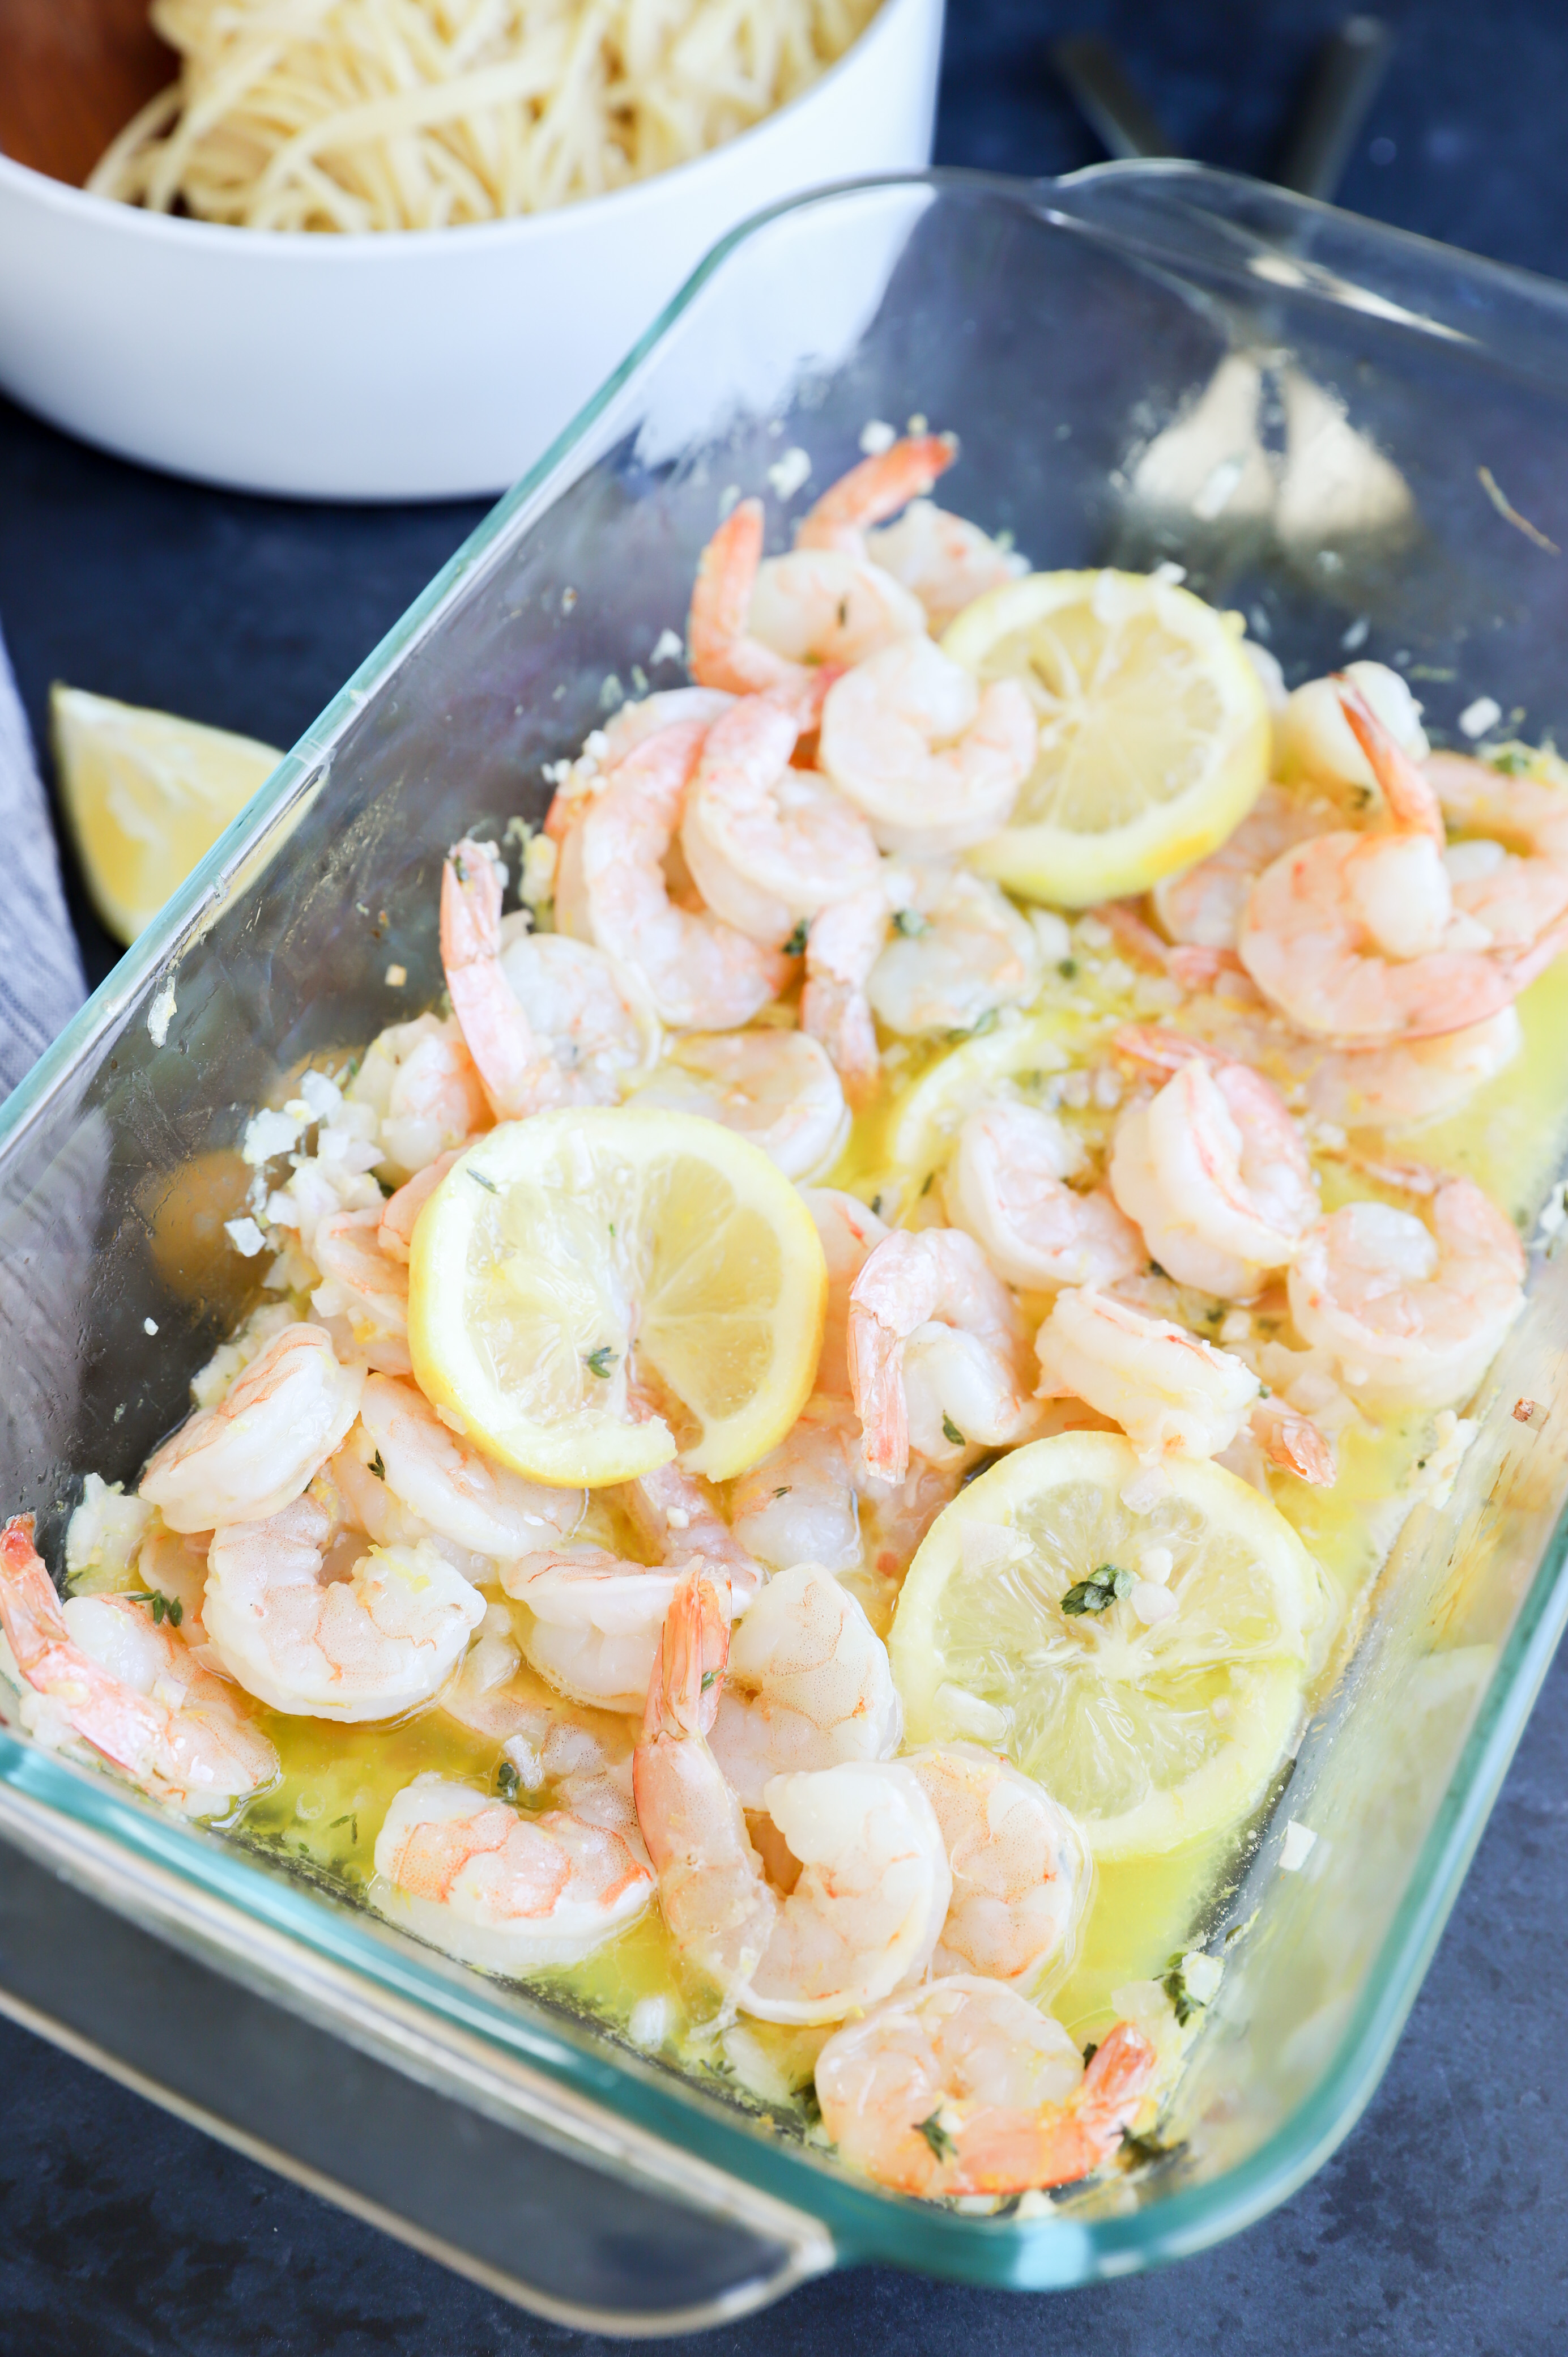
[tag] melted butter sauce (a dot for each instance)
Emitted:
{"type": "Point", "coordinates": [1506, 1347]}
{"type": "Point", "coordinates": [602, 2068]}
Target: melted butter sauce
{"type": "Point", "coordinates": [337, 1781]}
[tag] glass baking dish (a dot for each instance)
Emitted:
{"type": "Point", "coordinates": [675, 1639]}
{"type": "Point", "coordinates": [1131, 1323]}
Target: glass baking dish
{"type": "Point", "coordinates": [1355, 438]}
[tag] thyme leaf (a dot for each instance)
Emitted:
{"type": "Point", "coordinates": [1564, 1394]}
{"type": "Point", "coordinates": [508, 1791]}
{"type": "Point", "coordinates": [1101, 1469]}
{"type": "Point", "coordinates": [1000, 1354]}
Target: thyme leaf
{"type": "Point", "coordinates": [1104, 1585]}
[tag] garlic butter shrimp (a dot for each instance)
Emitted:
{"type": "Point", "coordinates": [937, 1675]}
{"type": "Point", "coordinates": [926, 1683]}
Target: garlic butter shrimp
{"type": "Point", "coordinates": [964, 2087]}
{"type": "Point", "coordinates": [768, 844]}
{"type": "Point", "coordinates": [262, 1446]}
{"type": "Point", "coordinates": [1021, 1871]}
{"type": "Point", "coordinates": [947, 561]}
{"type": "Point", "coordinates": [841, 950]}
{"type": "Point", "coordinates": [420, 1080]}
{"type": "Point", "coordinates": [1356, 937]}
{"type": "Point", "coordinates": [677, 1516]}
{"type": "Point", "coordinates": [935, 1351]}
{"type": "Point", "coordinates": [305, 1618]}
{"type": "Point", "coordinates": [620, 734]}
{"type": "Point", "coordinates": [1515, 896]}
{"type": "Point", "coordinates": [874, 1885]}
{"type": "Point", "coordinates": [1416, 1082]}
{"type": "Point", "coordinates": [457, 1492]}
{"type": "Point", "coordinates": [595, 1618]}
{"type": "Point", "coordinates": [508, 1890]}
{"type": "Point", "coordinates": [850, 1233]}
{"type": "Point", "coordinates": [1319, 755]}
{"type": "Point", "coordinates": [1213, 1170]}
{"type": "Point", "coordinates": [786, 626]}
{"type": "Point", "coordinates": [778, 1087]}
{"type": "Point", "coordinates": [1006, 1187]}
{"type": "Point", "coordinates": [933, 760]}
{"type": "Point", "coordinates": [1411, 1314]}
{"type": "Point", "coordinates": [363, 1286]}
{"type": "Point", "coordinates": [1202, 907]}
{"type": "Point", "coordinates": [100, 1669]}
{"type": "Point", "coordinates": [1170, 1394]}
{"type": "Point", "coordinates": [399, 1213]}
{"type": "Point", "coordinates": [808, 1686]}
{"type": "Point", "coordinates": [960, 953]}
{"type": "Point", "coordinates": [701, 974]}
{"type": "Point", "coordinates": [801, 1503]}
{"type": "Point", "coordinates": [874, 491]}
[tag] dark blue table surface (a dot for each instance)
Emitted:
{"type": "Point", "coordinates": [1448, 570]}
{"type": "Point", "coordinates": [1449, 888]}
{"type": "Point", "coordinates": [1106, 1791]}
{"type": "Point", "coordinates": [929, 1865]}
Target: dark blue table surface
{"type": "Point", "coordinates": [1441, 2225]}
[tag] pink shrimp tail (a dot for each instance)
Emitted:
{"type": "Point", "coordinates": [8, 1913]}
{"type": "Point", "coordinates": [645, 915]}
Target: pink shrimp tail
{"type": "Point", "coordinates": [30, 1607]}
{"type": "Point", "coordinates": [1413, 803]}
{"type": "Point", "coordinates": [876, 490]}
{"type": "Point", "coordinates": [721, 605]}
{"type": "Point", "coordinates": [1002, 2151]}
{"type": "Point", "coordinates": [694, 1649]}
{"type": "Point", "coordinates": [1293, 1442]}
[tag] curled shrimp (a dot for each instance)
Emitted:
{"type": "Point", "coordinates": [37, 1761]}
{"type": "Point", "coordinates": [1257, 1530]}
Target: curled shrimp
{"type": "Point", "coordinates": [1202, 907]}
{"type": "Point", "coordinates": [1213, 1170]}
{"type": "Point", "coordinates": [787, 626]}
{"type": "Point", "coordinates": [399, 1213]}
{"type": "Point", "coordinates": [312, 1622]}
{"type": "Point", "coordinates": [808, 1685]}
{"type": "Point", "coordinates": [508, 1889]}
{"type": "Point", "coordinates": [363, 1287]}
{"type": "Point", "coordinates": [1411, 1314]}
{"type": "Point", "coordinates": [1021, 1871]}
{"type": "Point", "coordinates": [609, 745]}
{"type": "Point", "coordinates": [947, 561]}
{"type": "Point", "coordinates": [801, 1503]}
{"type": "Point", "coordinates": [1006, 1187]}
{"type": "Point", "coordinates": [841, 950]}
{"type": "Point", "coordinates": [874, 1885]}
{"type": "Point", "coordinates": [420, 1080]}
{"type": "Point", "coordinates": [777, 1088]}
{"type": "Point", "coordinates": [258, 1451]}
{"type": "Point", "coordinates": [100, 1669]}
{"type": "Point", "coordinates": [1356, 937]}
{"type": "Point", "coordinates": [875, 490]}
{"type": "Point", "coordinates": [1511, 872]}
{"type": "Point", "coordinates": [964, 2087]}
{"type": "Point", "coordinates": [933, 760]}
{"type": "Point", "coordinates": [455, 1492]}
{"type": "Point", "coordinates": [960, 953]}
{"type": "Point", "coordinates": [701, 974]}
{"type": "Point", "coordinates": [768, 844]}
{"type": "Point", "coordinates": [1169, 1392]}
{"type": "Point", "coordinates": [935, 1351]}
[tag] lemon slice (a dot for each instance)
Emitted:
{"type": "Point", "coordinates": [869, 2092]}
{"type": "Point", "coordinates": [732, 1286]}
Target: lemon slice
{"type": "Point", "coordinates": [1150, 1733]}
{"type": "Point", "coordinates": [556, 1242]}
{"type": "Point", "coordinates": [147, 796]}
{"type": "Point", "coordinates": [1155, 731]}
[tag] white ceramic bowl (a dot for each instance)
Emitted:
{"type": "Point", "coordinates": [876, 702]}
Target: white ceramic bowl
{"type": "Point", "coordinates": [421, 364]}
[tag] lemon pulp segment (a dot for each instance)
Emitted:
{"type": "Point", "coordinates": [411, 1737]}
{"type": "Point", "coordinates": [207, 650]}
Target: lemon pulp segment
{"type": "Point", "coordinates": [556, 1245]}
{"type": "Point", "coordinates": [1154, 734]}
{"type": "Point", "coordinates": [1150, 1734]}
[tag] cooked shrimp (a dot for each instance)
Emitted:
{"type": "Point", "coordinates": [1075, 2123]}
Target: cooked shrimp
{"type": "Point", "coordinates": [399, 1213]}
{"type": "Point", "coordinates": [1414, 1315]}
{"type": "Point", "coordinates": [593, 1635]}
{"type": "Point", "coordinates": [1213, 1170]}
{"type": "Point", "coordinates": [850, 1234]}
{"type": "Point", "coordinates": [1203, 906]}
{"type": "Point", "coordinates": [1418, 1080]}
{"type": "Point", "coordinates": [960, 952]}
{"type": "Point", "coordinates": [808, 1686]}
{"type": "Point", "coordinates": [700, 972]}
{"type": "Point", "coordinates": [593, 1015]}
{"type": "Point", "coordinates": [677, 1516]}
{"type": "Point", "coordinates": [256, 1452]}
{"type": "Point", "coordinates": [1006, 1187]}
{"type": "Point", "coordinates": [1356, 937]}
{"type": "Point", "coordinates": [456, 1491]}
{"type": "Point", "coordinates": [875, 490]}
{"type": "Point", "coordinates": [787, 627]}
{"type": "Point", "coordinates": [607, 747]}
{"type": "Point", "coordinates": [768, 844]}
{"type": "Point", "coordinates": [947, 561]}
{"type": "Point", "coordinates": [934, 760]}
{"type": "Point", "coordinates": [935, 1351]}
{"type": "Point", "coordinates": [841, 950]}
{"type": "Point", "coordinates": [420, 1080]}
{"type": "Point", "coordinates": [801, 1503]}
{"type": "Point", "coordinates": [307, 1621]}
{"type": "Point", "coordinates": [506, 1889]}
{"type": "Point", "coordinates": [1514, 898]}
{"type": "Point", "coordinates": [1021, 1871]}
{"type": "Point", "coordinates": [363, 1289]}
{"type": "Point", "coordinates": [1170, 1394]}
{"type": "Point", "coordinates": [100, 1668]}
{"type": "Point", "coordinates": [874, 1886]}
{"type": "Point", "coordinates": [964, 2087]}
{"type": "Point", "coordinates": [1318, 752]}
{"type": "Point", "coordinates": [777, 1088]}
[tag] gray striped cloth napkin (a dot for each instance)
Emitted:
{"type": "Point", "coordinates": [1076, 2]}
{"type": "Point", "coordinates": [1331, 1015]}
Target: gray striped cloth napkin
{"type": "Point", "coordinates": [40, 973]}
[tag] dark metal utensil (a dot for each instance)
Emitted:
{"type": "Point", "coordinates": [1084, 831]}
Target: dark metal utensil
{"type": "Point", "coordinates": [1347, 75]}
{"type": "Point", "coordinates": [1106, 99]}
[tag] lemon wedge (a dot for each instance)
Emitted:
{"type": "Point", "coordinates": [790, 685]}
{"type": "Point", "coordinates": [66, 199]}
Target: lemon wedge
{"type": "Point", "coordinates": [147, 796]}
{"type": "Point", "coordinates": [1152, 1730]}
{"type": "Point", "coordinates": [558, 1244]}
{"type": "Point", "coordinates": [1154, 730]}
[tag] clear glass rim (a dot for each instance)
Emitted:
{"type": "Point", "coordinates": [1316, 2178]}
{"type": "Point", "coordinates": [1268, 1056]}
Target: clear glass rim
{"type": "Point", "coordinates": [867, 2223]}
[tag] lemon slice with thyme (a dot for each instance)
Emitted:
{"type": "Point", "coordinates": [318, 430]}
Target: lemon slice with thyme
{"type": "Point", "coordinates": [1145, 1662]}
{"type": "Point", "coordinates": [593, 1292]}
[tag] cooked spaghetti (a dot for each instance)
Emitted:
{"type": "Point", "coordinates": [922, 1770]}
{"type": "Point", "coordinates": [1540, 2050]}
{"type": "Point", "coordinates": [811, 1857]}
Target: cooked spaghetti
{"type": "Point", "coordinates": [386, 115]}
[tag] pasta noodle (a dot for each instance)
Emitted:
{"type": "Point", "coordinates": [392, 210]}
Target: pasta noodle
{"type": "Point", "coordinates": [386, 115]}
